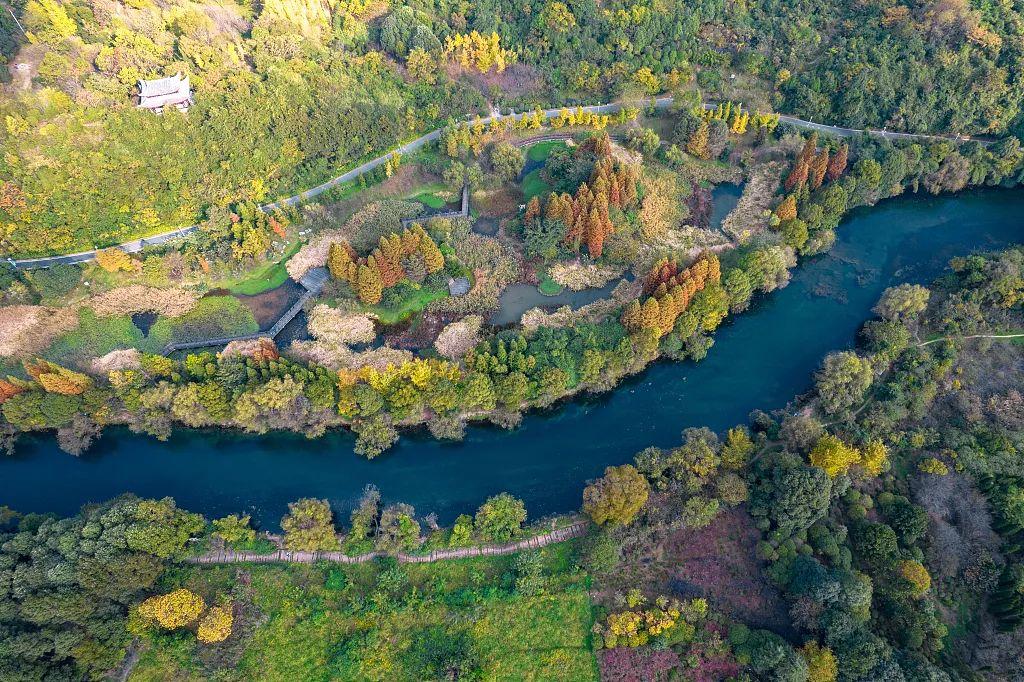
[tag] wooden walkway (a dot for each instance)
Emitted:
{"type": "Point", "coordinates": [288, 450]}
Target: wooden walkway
{"type": "Point", "coordinates": [313, 281]}
{"type": "Point", "coordinates": [228, 556]}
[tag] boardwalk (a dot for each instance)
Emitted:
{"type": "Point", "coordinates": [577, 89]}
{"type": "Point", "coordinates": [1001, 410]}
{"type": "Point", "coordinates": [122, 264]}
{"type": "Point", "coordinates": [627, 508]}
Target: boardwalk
{"type": "Point", "coordinates": [409, 147]}
{"type": "Point", "coordinates": [313, 281]}
{"type": "Point", "coordinates": [576, 530]}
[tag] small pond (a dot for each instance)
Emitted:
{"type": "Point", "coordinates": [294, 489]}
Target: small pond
{"type": "Point", "coordinates": [144, 320]}
{"type": "Point", "coordinates": [724, 198]}
{"type": "Point", "coordinates": [518, 298]}
{"type": "Point", "coordinates": [486, 226]}
{"type": "Point", "coordinates": [269, 306]}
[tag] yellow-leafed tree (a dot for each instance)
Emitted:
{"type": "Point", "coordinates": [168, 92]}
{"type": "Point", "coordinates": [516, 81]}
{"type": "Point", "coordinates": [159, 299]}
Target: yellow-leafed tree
{"type": "Point", "coordinates": [216, 625]}
{"type": "Point", "coordinates": [173, 610]}
{"type": "Point", "coordinates": [56, 379]}
{"type": "Point", "coordinates": [833, 455]}
{"type": "Point", "coordinates": [432, 256]}
{"type": "Point", "coordinates": [116, 260]}
{"type": "Point", "coordinates": [368, 285]}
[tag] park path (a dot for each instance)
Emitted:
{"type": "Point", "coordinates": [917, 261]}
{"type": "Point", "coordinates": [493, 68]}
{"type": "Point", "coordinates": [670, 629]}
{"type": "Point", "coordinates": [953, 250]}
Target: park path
{"type": "Point", "coordinates": [137, 245]}
{"type": "Point", "coordinates": [972, 336]}
{"type": "Point", "coordinates": [227, 556]}
{"type": "Point", "coordinates": [879, 381]}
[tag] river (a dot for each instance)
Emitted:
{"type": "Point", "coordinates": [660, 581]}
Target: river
{"type": "Point", "coordinates": [761, 359]}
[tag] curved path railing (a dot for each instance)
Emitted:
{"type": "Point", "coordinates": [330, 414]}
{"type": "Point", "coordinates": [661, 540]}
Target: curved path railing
{"type": "Point", "coordinates": [137, 245]}
{"type": "Point", "coordinates": [228, 556]}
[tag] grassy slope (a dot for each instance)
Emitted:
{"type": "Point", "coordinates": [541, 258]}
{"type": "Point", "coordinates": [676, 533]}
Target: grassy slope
{"type": "Point", "coordinates": [310, 630]}
{"type": "Point", "coordinates": [534, 186]}
{"type": "Point", "coordinates": [542, 150]}
{"type": "Point", "coordinates": [410, 305]}
{"type": "Point", "coordinates": [264, 278]}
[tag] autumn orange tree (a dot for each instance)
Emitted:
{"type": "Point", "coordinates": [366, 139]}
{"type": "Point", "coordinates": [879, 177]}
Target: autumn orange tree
{"type": "Point", "coordinates": [818, 168]}
{"type": "Point", "coordinates": [837, 164]}
{"type": "Point", "coordinates": [798, 176]}
{"type": "Point", "coordinates": [667, 292]}
{"type": "Point", "coordinates": [9, 388]}
{"type": "Point", "coordinates": [786, 210]}
{"type": "Point", "coordinates": [586, 215]}
{"type": "Point", "coordinates": [383, 268]}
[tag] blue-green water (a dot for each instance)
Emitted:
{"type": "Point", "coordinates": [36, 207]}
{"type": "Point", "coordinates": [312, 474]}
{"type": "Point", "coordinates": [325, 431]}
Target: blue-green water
{"type": "Point", "coordinates": [760, 360]}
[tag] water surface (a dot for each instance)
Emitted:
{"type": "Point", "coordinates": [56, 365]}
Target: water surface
{"type": "Point", "coordinates": [760, 360]}
{"type": "Point", "coordinates": [516, 299]}
{"type": "Point", "coordinates": [724, 198]}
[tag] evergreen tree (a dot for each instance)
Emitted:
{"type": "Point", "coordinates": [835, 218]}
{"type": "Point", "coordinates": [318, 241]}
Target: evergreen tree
{"type": "Point", "coordinates": [369, 284]}
{"type": "Point", "coordinates": [697, 145]}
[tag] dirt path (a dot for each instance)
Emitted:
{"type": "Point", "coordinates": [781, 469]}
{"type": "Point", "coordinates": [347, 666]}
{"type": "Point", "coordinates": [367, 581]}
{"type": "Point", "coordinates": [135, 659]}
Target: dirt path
{"type": "Point", "coordinates": [972, 336]}
{"type": "Point", "coordinates": [878, 382]}
{"type": "Point", "coordinates": [227, 556]}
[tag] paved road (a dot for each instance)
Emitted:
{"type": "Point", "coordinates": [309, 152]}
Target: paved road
{"type": "Point", "coordinates": [409, 147]}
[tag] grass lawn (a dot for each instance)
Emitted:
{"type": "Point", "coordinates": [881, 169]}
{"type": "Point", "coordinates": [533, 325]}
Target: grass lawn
{"type": "Point", "coordinates": [265, 278]}
{"type": "Point", "coordinates": [374, 622]}
{"type": "Point", "coordinates": [429, 199]}
{"type": "Point", "coordinates": [534, 186]}
{"type": "Point", "coordinates": [542, 150]}
{"type": "Point", "coordinates": [413, 302]}
{"type": "Point", "coordinates": [548, 286]}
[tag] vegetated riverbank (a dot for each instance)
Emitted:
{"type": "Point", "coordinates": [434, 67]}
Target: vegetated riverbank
{"type": "Point", "coordinates": [499, 377]}
{"type": "Point", "coordinates": [700, 549]}
{"type": "Point", "coordinates": [760, 360]}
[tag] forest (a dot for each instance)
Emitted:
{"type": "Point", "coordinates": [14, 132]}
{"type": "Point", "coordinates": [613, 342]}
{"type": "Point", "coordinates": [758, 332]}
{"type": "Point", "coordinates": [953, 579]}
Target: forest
{"type": "Point", "coordinates": [290, 94]}
{"type": "Point", "coordinates": [869, 531]}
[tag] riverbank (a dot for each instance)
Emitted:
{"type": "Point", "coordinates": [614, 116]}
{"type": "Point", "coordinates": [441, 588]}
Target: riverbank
{"type": "Point", "coordinates": [759, 360]}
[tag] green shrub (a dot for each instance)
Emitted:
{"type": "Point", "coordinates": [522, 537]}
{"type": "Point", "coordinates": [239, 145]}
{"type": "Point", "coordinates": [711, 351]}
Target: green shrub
{"type": "Point", "coordinates": [57, 281]}
{"type": "Point", "coordinates": [39, 410]}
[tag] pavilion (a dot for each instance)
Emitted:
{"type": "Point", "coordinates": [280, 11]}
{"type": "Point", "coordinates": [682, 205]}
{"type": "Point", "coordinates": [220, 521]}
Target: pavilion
{"type": "Point", "coordinates": [173, 91]}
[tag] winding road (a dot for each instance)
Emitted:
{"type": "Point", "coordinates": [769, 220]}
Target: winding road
{"type": "Point", "coordinates": [137, 245]}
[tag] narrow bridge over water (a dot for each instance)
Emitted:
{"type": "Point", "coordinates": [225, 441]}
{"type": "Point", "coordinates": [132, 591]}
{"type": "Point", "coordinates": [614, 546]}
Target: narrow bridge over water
{"type": "Point", "coordinates": [313, 282]}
